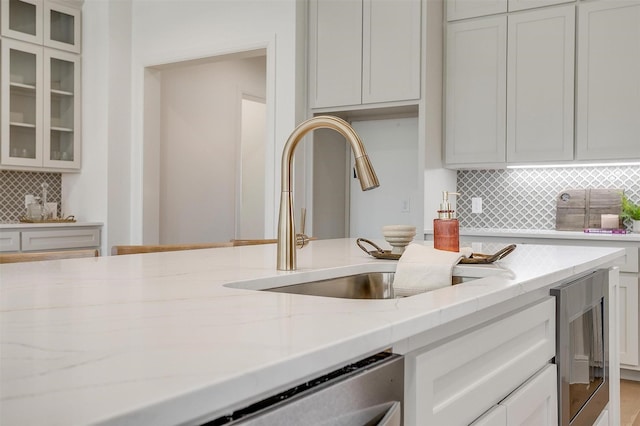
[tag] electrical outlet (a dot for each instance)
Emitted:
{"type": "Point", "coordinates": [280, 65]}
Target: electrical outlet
{"type": "Point", "coordinates": [476, 205]}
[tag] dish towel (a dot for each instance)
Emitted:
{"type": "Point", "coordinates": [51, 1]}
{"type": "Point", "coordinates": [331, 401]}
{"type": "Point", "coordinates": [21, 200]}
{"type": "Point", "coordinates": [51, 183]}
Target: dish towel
{"type": "Point", "coordinates": [423, 268]}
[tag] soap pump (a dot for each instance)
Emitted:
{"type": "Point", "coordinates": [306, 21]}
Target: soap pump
{"type": "Point", "coordinates": [446, 228]}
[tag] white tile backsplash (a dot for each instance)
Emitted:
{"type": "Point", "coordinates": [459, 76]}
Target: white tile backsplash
{"type": "Point", "coordinates": [526, 198]}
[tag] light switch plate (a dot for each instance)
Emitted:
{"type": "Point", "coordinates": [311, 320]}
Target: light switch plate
{"type": "Point", "coordinates": [476, 205]}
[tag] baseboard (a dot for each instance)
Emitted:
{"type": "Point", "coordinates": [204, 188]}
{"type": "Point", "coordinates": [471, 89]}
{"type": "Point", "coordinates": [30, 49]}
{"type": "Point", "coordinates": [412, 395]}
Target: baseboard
{"type": "Point", "coordinates": [630, 375]}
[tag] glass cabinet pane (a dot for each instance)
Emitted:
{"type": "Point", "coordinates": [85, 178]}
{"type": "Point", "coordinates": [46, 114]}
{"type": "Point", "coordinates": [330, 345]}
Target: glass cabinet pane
{"type": "Point", "coordinates": [22, 17]}
{"type": "Point", "coordinates": [22, 20]}
{"type": "Point", "coordinates": [62, 27]}
{"type": "Point", "coordinates": [62, 101]}
{"type": "Point", "coordinates": [22, 104]}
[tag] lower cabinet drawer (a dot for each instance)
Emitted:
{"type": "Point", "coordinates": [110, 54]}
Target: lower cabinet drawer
{"type": "Point", "coordinates": [9, 241]}
{"type": "Point", "coordinates": [457, 381]}
{"type": "Point", "coordinates": [60, 239]}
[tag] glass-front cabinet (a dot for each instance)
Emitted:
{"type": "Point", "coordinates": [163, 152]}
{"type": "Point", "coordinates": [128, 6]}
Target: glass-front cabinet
{"type": "Point", "coordinates": [49, 23]}
{"type": "Point", "coordinates": [39, 86]}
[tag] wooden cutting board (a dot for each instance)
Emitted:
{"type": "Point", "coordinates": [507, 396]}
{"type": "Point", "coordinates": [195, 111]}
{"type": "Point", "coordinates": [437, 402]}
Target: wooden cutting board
{"type": "Point", "coordinates": [577, 209]}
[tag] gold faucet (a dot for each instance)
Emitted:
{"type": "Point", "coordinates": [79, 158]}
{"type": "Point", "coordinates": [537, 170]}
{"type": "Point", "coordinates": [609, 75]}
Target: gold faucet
{"type": "Point", "coordinates": [287, 238]}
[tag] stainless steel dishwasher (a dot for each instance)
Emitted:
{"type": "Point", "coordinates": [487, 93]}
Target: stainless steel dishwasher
{"type": "Point", "coordinates": [366, 393]}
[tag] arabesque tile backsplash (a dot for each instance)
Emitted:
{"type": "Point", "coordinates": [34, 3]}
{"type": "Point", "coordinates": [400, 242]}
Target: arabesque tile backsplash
{"type": "Point", "coordinates": [14, 185]}
{"type": "Point", "coordinates": [526, 198]}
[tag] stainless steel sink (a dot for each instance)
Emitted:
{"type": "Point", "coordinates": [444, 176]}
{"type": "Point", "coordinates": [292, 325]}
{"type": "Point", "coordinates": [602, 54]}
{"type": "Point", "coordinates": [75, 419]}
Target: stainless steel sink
{"type": "Point", "coordinates": [377, 285]}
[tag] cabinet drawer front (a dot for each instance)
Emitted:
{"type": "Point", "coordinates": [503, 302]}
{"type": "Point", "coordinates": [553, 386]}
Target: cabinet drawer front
{"type": "Point", "coordinates": [536, 401]}
{"type": "Point", "coordinates": [10, 241]}
{"type": "Point", "coordinates": [60, 239]}
{"type": "Point", "coordinates": [458, 381]}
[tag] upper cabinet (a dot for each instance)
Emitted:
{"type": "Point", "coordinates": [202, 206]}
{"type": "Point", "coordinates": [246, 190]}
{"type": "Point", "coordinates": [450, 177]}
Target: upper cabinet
{"type": "Point", "coordinates": [608, 87]}
{"type": "Point", "coordinates": [40, 86]}
{"type": "Point", "coordinates": [463, 9]}
{"type": "Point", "coordinates": [476, 64]}
{"type": "Point", "coordinates": [516, 110]}
{"type": "Point", "coordinates": [363, 52]}
{"type": "Point", "coordinates": [540, 81]}
{"type": "Point", "coordinates": [531, 88]}
{"type": "Point", "coordinates": [49, 23]}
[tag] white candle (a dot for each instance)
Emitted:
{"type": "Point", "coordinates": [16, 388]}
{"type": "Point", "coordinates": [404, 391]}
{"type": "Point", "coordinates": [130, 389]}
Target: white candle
{"type": "Point", "coordinates": [609, 221]}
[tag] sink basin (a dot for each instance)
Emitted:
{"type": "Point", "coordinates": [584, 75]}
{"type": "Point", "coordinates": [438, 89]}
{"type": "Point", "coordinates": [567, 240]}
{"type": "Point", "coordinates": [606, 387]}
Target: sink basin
{"type": "Point", "coordinates": [376, 285]}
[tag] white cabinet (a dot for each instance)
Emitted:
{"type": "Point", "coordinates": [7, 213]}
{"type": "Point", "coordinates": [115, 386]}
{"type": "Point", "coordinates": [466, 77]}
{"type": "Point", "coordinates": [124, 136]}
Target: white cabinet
{"type": "Point", "coordinates": [48, 23]}
{"type": "Point", "coordinates": [461, 9]}
{"type": "Point", "coordinates": [54, 237]}
{"type": "Point", "coordinates": [41, 99]}
{"type": "Point", "coordinates": [22, 20]}
{"type": "Point", "coordinates": [540, 81]}
{"type": "Point", "coordinates": [535, 403]}
{"type": "Point", "coordinates": [476, 58]}
{"type": "Point", "coordinates": [515, 5]}
{"type": "Point", "coordinates": [363, 52]}
{"type": "Point", "coordinates": [457, 381]}
{"type": "Point", "coordinates": [523, 106]}
{"type": "Point", "coordinates": [629, 283]}
{"type": "Point", "coordinates": [40, 87]}
{"type": "Point", "coordinates": [628, 319]}
{"type": "Point", "coordinates": [608, 80]}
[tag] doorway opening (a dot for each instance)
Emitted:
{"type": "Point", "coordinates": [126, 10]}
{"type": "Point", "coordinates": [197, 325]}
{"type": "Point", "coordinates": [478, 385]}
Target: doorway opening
{"type": "Point", "coordinates": [197, 113]}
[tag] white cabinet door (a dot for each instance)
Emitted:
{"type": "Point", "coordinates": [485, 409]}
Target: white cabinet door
{"type": "Point", "coordinates": [608, 80]}
{"type": "Point", "coordinates": [22, 20]}
{"type": "Point", "coordinates": [364, 52]}
{"type": "Point", "coordinates": [21, 104]}
{"type": "Point", "coordinates": [41, 97]}
{"type": "Point", "coordinates": [535, 403]}
{"type": "Point", "coordinates": [628, 319]}
{"type": "Point", "coordinates": [61, 110]}
{"type": "Point", "coordinates": [531, 4]}
{"type": "Point", "coordinates": [461, 9]}
{"type": "Point", "coordinates": [540, 85]}
{"type": "Point", "coordinates": [335, 53]}
{"type": "Point", "coordinates": [496, 416]}
{"type": "Point", "coordinates": [9, 241]}
{"type": "Point", "coordinates": [59, 239]}
{"type": "Point", "coordinates": [476, 56]}
{"type": "Point", "coordinates": [391, 50]}
{"type": "Point", "coordinates": [62, 26]}
{"type": "Point", "coordinates": [456, 382]}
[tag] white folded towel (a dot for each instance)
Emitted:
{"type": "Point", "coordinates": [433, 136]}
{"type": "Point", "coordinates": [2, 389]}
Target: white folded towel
{"type": "Point", "coordinates": [423, 268]}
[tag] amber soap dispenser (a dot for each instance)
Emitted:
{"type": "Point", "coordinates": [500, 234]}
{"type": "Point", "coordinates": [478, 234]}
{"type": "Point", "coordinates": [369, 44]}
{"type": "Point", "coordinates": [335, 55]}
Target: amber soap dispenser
{"type": "Point", "coordinates": [446, 228]}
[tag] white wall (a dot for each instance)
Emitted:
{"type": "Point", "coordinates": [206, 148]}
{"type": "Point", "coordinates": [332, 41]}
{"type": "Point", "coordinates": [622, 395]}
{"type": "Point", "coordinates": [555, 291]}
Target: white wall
{"type": "Point", "coordinates": [120, 39]}
{"type": "Point", "coordinates": [101, 191]}
{"type": "Point", "coordinates": [200, 133]}
{"type": "Point", "coordinates": [391, 145]}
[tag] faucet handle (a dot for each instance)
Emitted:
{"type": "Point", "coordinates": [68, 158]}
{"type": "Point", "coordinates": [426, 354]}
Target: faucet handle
{"type": "Point", "coordinates": [303, 219]}
{"type": "Point", "coordinates": [302, 240]}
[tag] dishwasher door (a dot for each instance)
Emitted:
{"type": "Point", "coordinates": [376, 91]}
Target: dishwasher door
{"type": "Point", "coordinates": [369, 392]}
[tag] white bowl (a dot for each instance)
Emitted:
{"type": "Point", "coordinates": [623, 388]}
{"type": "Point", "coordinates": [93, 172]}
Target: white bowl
{"type": "Point", "coordinates": [398, 236]}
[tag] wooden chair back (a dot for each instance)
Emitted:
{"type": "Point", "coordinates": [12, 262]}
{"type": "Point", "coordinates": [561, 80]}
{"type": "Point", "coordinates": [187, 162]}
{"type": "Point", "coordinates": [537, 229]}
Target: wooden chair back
{"type": "Point", "coordinates": [47, 255]}
{"type": "Point", "coordinates": [135, 249]}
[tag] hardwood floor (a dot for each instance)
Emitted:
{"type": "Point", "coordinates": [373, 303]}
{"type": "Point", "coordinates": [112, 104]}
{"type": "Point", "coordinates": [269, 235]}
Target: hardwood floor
{"type": "Point", "coordinates": [629, 403]}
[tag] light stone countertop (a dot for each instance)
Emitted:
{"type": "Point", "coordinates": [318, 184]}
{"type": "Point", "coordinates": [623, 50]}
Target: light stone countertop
{"type": "Point", "coordinates": [15, 226]}
{"type": "Point", "coordinates": [159, 339]}
{"type": "Point", "coordinates": [543, 233]}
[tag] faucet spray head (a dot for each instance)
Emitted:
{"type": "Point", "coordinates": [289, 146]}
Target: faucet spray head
{"type": "Point", "coordinates": [366, 174]}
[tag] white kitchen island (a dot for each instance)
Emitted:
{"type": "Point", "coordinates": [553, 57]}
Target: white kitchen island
{"type": "Point", "coordinates": [162, 339]}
